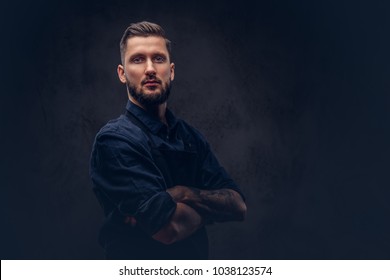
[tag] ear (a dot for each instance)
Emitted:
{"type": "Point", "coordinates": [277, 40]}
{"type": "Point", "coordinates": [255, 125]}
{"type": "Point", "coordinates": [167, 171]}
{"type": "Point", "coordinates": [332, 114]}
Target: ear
{"type": "Point", "coordinates": [172, 71]}
{"type": "Point", "coordinates": [121, 74]}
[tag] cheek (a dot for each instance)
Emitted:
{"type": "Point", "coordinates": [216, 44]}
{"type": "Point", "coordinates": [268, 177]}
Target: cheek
{"type": "Point", "coordinates": [167, 73]}
{"type": "Point", "coordinates": [133, 75]}
{"type": "Point", "coordinates": [134, 72]}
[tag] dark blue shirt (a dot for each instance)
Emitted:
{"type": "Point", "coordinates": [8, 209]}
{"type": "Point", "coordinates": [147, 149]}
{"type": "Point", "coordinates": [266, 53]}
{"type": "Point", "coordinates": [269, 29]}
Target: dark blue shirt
{"type": "Point", "coordinates": [126, 177]}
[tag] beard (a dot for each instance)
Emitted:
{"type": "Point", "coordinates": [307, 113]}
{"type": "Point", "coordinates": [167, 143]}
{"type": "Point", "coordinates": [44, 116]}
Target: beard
{"type": "Point", "coordinates": [150, 99]}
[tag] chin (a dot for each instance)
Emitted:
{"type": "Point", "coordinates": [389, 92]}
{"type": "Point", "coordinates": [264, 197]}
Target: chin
{"type": "Point", "coordinates": [148, 93]}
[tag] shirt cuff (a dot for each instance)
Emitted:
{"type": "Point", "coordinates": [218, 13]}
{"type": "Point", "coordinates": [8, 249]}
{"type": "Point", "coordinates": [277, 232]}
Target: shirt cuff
{"type": "Point", "coordinates": [155, 212]}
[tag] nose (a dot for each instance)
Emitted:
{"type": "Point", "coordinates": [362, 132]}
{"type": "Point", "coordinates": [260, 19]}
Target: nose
{"type": "Point", "coordinates": [150, 70]}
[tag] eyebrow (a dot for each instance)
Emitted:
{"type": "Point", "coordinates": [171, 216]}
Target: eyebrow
{"type": "Point", "coordinates": [142, 54]}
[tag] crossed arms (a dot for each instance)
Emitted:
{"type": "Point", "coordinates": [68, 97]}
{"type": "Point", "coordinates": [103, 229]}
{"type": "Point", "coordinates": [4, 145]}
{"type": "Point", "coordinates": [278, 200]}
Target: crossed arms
{"type": "Point", "coordinates": [168, 215]}
{"type": "Point", "coordinates": [196, 207]}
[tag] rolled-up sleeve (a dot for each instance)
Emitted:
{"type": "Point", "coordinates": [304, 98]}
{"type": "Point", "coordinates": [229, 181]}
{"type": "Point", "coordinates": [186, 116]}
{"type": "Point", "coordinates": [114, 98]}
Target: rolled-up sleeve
{"type": "Point", "coordinates": [123, 170]}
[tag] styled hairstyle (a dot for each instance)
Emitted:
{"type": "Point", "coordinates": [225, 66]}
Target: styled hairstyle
{"type": "Point", "coordinates": [142, 29]}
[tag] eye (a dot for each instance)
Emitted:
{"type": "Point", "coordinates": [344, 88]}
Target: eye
{"type": "Point", "coordinates": [159, 59]}
{"type": "Point", "coordinates": [137, 59]}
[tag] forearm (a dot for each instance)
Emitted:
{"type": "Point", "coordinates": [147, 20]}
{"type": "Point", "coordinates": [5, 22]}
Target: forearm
{"type": "Point", "coordinates": [184, 222]}
{"type": "Point", "coordinates": [214, 205]}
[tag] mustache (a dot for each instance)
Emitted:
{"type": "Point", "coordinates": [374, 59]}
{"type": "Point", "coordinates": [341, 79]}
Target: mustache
{"type": "Point", "coordinates": [153, 80]}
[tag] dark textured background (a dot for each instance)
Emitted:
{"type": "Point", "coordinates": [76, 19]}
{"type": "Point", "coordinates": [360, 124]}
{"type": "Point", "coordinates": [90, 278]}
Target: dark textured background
{"type": "Point", "coordinates": [293, 97]}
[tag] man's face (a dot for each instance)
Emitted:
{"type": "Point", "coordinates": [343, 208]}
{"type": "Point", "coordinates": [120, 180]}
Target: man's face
{"type": "Point", "coordinates": [147, 70]}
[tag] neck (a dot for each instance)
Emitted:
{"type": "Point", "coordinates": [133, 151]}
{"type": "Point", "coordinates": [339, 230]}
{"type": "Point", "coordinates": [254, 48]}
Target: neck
{"type": "Point", "coordinates": [157, 111]}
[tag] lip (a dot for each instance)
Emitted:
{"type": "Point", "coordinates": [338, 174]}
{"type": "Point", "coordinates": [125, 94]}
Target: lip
{"type": "Point", "coordinates": [152, 80]}
{"type": "Point", "coordinates": [151, 84]}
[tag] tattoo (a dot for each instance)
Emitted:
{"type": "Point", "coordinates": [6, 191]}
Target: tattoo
{"type": "Point", "coordinates": [218, 205]}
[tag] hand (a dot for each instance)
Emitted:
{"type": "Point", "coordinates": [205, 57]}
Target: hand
{"type": "Point", "coordinates": [183, 194]}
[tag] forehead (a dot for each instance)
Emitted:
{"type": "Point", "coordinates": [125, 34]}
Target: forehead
{"type": "Point", "coordinates": [146, 45]}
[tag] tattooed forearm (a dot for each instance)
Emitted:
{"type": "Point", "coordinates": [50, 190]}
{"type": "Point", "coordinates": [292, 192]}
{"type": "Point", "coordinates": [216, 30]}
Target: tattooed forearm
{"type": "Point", "coordinates": [215, 206]}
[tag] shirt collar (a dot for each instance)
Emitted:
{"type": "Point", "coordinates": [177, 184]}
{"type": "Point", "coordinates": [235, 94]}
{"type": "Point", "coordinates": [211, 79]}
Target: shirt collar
{"type": "Point", "coordinates": [151, 122]}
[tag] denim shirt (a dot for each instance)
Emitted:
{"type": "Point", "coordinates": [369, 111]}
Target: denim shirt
{"type": "Point", "coordinates": [127, 178]}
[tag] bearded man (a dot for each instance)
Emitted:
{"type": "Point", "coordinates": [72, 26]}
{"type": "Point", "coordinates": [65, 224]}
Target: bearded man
{"type": "Point", "coordinates": [155, 176]}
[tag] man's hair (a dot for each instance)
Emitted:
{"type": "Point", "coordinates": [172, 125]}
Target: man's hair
{"type": "Point", "coordinates": [142, 29]}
